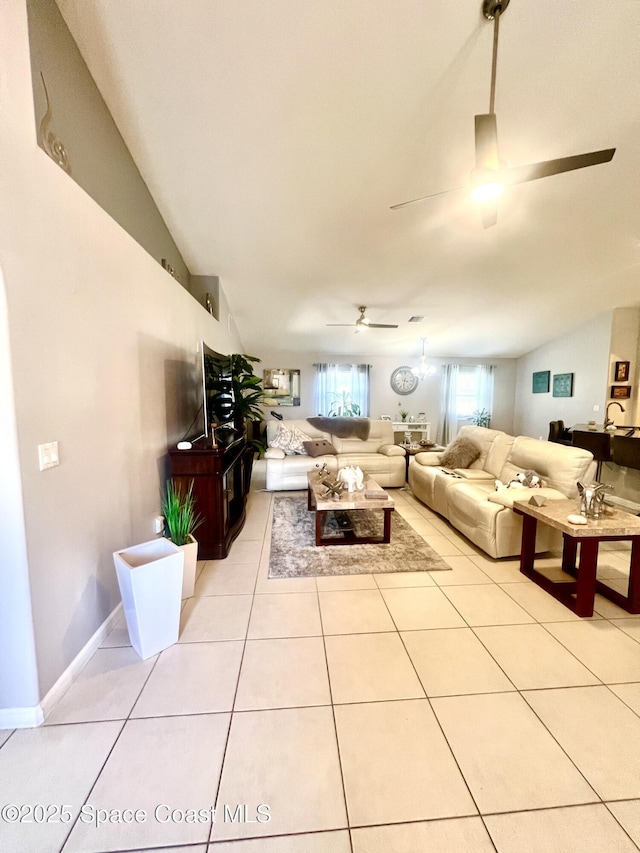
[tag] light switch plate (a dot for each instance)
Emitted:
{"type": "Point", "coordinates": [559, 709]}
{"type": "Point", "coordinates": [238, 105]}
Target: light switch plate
{"type": "Point", "coordinates": [48, 455]}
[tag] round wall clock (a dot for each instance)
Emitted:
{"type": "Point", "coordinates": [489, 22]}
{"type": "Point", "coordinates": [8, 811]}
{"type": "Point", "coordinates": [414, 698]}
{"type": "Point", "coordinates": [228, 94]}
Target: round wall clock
{"type": "Point", "coordinates": [403, 380]}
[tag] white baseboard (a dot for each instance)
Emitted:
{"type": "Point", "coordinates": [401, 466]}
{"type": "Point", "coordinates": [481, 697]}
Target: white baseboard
{"type": "Point", "coordinates": [21, 718]}
{"type": "Point", "coordinates": [27, 718]}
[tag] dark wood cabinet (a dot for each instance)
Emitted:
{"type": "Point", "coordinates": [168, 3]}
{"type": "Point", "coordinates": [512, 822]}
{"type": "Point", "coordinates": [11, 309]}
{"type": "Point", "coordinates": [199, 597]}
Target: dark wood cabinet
{"type": "Point", "coordinates": [221, 479]}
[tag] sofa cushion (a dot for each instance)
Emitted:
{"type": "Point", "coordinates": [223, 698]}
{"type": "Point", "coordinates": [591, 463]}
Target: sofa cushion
{"type": "Point", "coordinates": [559, 465]}
{"type": "Point", "coordinates": [319, 447]}
{"type": "Point", "coordinates": [473, 474]}
{"type": "Point", "coordinates": [498, 453]}
{"type": "Point", "coordinates": [485, 438]}
{"type": "Point", "coordinates": [380, 433]}
{"type": "Point", "coordinates": [290, 439]}
{"type": "Point", "coordinates": [460, 453]}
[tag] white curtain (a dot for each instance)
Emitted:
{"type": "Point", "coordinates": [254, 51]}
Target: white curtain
{"type": "Point", "coordinates": [334, 380]}
{"type": "Point", "coordinates": [484, 394]}
{"type": "Point", "coordinates": [448, 425]}
{"type": "Point", "coordinates": [466, 389]}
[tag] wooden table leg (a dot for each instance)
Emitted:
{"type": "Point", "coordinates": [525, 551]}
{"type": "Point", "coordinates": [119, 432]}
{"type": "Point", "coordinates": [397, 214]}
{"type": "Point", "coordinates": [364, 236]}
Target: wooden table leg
{"type": "Point", "coordinates": [386, 538]}
{"type": "Point", "coordinates": [586, 586]}
{"type": "Point", "coordinates": [319, 525]}
{"type": "Point", "coordinates": [527, 555]}
{"type": "Point", "coordinates": [634, 576]}
{"type": "Point", "coordinates": [569, 551]}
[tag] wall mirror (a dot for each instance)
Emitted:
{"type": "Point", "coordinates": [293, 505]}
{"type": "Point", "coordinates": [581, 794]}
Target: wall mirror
{"type": "Point", "coordinates": [281, 387]}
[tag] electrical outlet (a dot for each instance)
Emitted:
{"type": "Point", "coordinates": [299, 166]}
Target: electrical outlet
{"type": "Point", "coordinates": [158, 524]}
{"type": "Point", "coordinates": [48, 455]}
{"type": "Point", "coordinates": [596, 408]}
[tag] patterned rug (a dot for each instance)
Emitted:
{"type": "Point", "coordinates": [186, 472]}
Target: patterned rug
{"type": "Point", "coordinates": [294, 554]}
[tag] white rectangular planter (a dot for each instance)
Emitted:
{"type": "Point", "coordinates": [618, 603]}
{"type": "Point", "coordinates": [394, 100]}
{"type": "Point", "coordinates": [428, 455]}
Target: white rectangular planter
{"type": "Point", "coordinates": [150, 581]}
{"type": "Point", "coordinates": [190, 551]}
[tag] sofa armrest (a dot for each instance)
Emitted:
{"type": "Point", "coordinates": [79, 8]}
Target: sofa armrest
{"type": "Point", "coordinates": [391, 450]}
{"type": "Point", "coordinates": [507, 497]}
{"type": "Point", "coordinates": [427, 457]}
{"type": "Point", "coordinates": [274, 453]}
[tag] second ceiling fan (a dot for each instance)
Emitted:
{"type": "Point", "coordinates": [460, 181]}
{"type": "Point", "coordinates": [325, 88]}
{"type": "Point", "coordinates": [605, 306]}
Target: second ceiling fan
{"type": "Point", "coordinates": [363, 323]}
{"type": "Point", "coordinates": [490, 175]}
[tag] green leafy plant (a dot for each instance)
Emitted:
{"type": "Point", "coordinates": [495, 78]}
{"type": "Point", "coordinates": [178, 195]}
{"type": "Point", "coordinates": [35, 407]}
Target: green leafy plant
{"type": "Point", "coordinates": [481, 417]}
{"type": "Point", "coordinates": [247, 386]}
{"type": "Point", "coordinates": [404, 414]}
{"type": "Point", "coordinates": [178, 509]}
{"type": "Point", "coordinates": [343, 406]}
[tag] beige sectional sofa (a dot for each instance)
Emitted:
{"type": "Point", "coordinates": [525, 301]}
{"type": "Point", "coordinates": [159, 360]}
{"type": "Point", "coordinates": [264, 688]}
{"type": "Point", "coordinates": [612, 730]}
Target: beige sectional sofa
{"type": "Point", "coordinates": [377, 456]}
{"type": "Point", "coordinates": [468, 498]}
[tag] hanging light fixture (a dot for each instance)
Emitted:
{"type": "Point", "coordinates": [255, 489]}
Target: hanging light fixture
{"type": "Point", "coordinates": [423, 370]}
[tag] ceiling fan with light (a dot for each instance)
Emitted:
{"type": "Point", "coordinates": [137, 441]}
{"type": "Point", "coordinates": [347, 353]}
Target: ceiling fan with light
{"type": "Point", "coordinates": [363, 323]}
{"type": "Point", "coordinates": [491, 175]}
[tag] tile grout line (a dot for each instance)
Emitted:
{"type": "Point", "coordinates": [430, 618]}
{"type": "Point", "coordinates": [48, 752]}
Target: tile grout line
{"type": "Point", "coordinates": [335, 724]}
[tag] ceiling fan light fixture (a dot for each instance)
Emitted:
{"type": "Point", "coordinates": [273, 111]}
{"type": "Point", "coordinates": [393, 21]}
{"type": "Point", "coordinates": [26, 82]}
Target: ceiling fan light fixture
{"type": "Point", "coordinates": [487, 187]}
{"type": "Point", "coordinates": [487, 192]}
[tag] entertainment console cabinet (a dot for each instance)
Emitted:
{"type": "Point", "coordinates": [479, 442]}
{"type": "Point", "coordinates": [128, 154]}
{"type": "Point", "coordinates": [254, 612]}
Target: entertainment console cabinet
{"type": "Point", "coordinates": [221, 480]}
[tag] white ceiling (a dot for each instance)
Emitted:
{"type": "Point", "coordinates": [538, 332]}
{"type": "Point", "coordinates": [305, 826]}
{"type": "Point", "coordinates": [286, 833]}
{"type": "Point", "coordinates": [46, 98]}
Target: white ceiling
{"type": "Point", "coordinates": [275, 134]}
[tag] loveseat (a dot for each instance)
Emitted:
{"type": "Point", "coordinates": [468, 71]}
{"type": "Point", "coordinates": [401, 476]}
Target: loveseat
{"type": "Point", "coordinates": [467, 496]}
{"type": "Point", "coordinates": [376, 454]}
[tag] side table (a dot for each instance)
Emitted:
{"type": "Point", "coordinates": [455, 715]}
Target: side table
{"type": "Point", "coordinates": [613, 526]}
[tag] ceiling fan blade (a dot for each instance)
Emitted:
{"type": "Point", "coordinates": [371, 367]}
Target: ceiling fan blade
{"type": "Point", "coordinates": [486, 142]}
{"type": "Point", "coordinates": [340, 324]}
{"type": "Point", "coordinates": [522, 174]}
{"type": "Point", "coordinates": [425, 197]}
{"type": "Point", "coordinates": [382, 326]}
{"type": "Point", "coordinates": [489, 212]}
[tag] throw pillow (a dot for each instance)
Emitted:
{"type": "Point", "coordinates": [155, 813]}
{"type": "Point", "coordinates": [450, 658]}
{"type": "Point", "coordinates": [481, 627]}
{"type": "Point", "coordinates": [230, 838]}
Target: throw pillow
{"type": "Point", "coordinates": [289, 439]}
{"type": "Point", "coordinates": [460, 453]}
{"type": "Point", "coordinates": [319, 447]}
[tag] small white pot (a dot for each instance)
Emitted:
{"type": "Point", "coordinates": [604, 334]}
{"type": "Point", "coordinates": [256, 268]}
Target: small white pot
{"type": "Point", "coordinates": [150, 581]}
{"type": "Point", "coordinates": [190, 551]}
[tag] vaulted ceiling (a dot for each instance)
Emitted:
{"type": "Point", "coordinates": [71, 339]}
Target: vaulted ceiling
{"type": "Point", "coordinates": [275, 135]}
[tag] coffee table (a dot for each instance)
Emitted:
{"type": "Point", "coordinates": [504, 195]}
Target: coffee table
{"type": "Point", "coordinates": [348, 502]}
{"type": "Point", "coordinates": [612, 526]}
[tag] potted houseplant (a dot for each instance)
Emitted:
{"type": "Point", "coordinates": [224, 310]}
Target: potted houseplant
{"type": "Point", "coordinates": [481, 417]}
{"type": "Point", "coordinates": [403, 414]}
{"type": "Point", "coordinates": [342, 406]}
{"type": "Point", "coordinates": [181, 521]}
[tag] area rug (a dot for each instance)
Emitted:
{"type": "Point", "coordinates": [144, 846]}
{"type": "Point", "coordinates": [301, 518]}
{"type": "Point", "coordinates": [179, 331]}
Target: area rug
{"type": "Point", "coordinates": [294, 554]}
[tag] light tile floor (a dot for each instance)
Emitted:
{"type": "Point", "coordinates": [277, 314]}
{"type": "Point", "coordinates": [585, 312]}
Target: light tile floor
{"type": "Point", "coordinates": [453, 711]}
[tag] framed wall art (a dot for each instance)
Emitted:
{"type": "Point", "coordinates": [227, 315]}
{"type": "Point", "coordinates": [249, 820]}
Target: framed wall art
{"type": "Point", "coordinates": [563, 384]}
{"type": "Point", "coordinates": [541, 382]}
{"type": "Point", "coordinates": [281, 387]}
{"type": "Point", "coordinates": [621, 372]}
{"type": "Point", "coordinates": [620, 392]}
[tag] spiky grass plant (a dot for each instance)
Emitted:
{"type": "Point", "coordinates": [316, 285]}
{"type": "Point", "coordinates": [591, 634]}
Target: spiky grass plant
{"type": "Point", "coordinates": [178, 509]}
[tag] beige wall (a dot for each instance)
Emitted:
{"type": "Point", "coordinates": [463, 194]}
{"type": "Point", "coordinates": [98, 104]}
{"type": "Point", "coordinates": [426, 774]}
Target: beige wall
{"type": "Point", "coordinates": [103, 345]}
{"type": "Point", "coordinates": [585, 353]}
{"type": "Point", "coordinates": [384, 401]}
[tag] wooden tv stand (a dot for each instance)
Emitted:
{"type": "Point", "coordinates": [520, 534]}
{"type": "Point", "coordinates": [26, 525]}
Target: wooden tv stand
{"type": "Point", "coordinates": [221, 480]}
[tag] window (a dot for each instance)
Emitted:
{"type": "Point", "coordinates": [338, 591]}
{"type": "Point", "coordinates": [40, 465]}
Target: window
{"type": "Point", "coordinates": [466, 389]}
{"type": "Point", "coordinates": [342, 389]}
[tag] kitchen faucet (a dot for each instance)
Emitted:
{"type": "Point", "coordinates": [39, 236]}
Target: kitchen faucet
{"type": "Point", "coordinates": [607, 420]}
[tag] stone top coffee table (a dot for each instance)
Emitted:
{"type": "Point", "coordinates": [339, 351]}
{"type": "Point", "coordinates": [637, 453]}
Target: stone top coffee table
{"type": "Point", "coordinates": [348, 502]}
{"type": "Point", "coordinates": [612, 526]}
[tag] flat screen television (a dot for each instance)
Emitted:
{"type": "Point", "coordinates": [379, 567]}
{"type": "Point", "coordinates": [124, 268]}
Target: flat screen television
{"type": "Point", "coordinates": [217, 389]}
